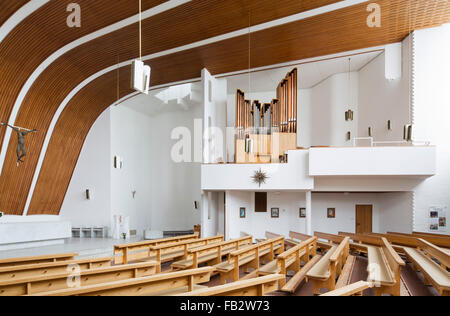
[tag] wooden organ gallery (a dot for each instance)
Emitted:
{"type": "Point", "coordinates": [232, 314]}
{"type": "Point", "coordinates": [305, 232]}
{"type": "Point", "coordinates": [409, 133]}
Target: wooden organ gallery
{"type": "Point", "coordinates": [265, 131]}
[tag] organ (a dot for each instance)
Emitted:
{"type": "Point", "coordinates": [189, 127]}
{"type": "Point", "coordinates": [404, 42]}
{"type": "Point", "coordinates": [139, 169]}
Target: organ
{"type": "Point", "coordinates": [265, 131]}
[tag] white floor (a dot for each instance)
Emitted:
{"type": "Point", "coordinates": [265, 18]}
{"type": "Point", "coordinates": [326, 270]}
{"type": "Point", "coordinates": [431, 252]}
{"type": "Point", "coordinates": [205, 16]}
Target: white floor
{"type": "Point", "coordinates": [85, 247]}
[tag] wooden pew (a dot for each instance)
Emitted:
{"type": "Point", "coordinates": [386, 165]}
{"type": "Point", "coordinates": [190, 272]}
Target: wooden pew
{"type": "Point", "coordinates": [126, 253]}
{"type": "Point", "coordinates": [249, 257]}
{"type": "Point", "coordinates": [361, 243]}
{"type": "Point", "coordinates": [326, 271]}
{"type": "Point", "coordinates": [384, 269]}
{"type": "Point", "coordinates": [354, 289]}
{"type": "Point", "coordinates": [37, 259]}
{"type": "Point", "coordinates": [302, 237]}
{"type": "Point", "coordinates": [435, 275]}
{"type": "Point", "coordinates": [179, 250]}
{"type": "Point", "coordinates": [252, 287]}
{"type": "Point", "coordinates": [268, 236]}
{"type": "Point", "coordinates": [39, 269]}
{"type": "Point", "coordinates": [430, 234]}
{"type": "Point", "coordinates": [439, 241]}
{"type": "Point", "coordinates": [211, 254]}
{"type": "Point", "coordinates": [290, 260]}
{"type": "Point", "coordinates": [52, 282]}
{"type": "Point", "coordinates": [399, 242]}
{"type": "Point", "coordinates": [155, 285]}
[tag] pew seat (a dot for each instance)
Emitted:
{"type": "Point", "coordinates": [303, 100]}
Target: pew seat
{"type": "Point", "coordinates": [187, 263]}
{"type": "Point", "coordinates": [322, 268]}
{"type": "Point", "coordinates": [376, 259]}
{"type": "Point", "coordinates": [273, 268]}
{"type": "Point", "coordinates": [435, 274]}
{"type": "Point", "coordinates": [351, 289]}
{"type": "Point", "coordinates": [178, 291]}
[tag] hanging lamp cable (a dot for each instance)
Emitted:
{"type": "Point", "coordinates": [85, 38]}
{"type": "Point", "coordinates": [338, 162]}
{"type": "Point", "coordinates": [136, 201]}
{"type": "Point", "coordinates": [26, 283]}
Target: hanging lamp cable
{"type": "Point", "coordinates": [140, 29]}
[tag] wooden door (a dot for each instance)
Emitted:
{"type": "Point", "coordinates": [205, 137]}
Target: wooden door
{"type": "Point", "coordinates": [363, 219]}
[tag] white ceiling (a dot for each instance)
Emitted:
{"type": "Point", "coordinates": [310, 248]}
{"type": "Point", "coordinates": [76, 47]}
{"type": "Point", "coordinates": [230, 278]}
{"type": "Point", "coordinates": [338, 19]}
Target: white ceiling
{"type": "Point", "coordinates": [310, 74]}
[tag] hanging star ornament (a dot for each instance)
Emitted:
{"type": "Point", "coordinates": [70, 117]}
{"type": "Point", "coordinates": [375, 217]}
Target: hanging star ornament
{"type": "Point", "coordinates": [260, 177]}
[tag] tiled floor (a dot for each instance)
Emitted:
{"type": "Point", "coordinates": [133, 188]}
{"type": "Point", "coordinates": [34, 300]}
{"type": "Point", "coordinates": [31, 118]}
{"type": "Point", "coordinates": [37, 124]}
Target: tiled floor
{"type": "Point", "coordinates": [85, 247]}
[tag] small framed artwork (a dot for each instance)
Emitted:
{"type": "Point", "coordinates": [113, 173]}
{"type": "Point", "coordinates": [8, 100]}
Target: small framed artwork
{"type": "Point", "coordinates": [275, 212]}
{"type": "Point", "coordinates": [331, 213]}
{"type": "Point", "coordinates": [242, 212]}
{"type": "Point", "coordinates": [302, 212]}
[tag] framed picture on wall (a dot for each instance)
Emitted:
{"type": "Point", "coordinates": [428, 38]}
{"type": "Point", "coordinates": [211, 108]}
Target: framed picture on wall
{"type": "Point", "coordinates": [302, 212]}
{"type": "Point", "coordinates": [331, 213]}
{"type": "Point", "coordinates": [242, 212]}
{"type": "Point", "coordinates": [275, 212]}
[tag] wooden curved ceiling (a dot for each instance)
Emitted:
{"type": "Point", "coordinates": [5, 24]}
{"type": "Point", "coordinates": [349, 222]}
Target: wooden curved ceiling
{"type": "Point", "coordinates": [188, 23]}
{"type": "Point", "coordinates": [329, 33]}
{"type": "Point", "coordinates": [7, 8]}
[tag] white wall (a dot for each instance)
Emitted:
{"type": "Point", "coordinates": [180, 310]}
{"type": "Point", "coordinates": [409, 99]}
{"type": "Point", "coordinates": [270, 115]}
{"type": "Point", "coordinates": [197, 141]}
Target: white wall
{"type": "Point", "coordinates": [91, 172]}
{"type": "Point", "coordinates": [130, 139]}
{"type": "Point", "coordinates": [381, 100]}
{"type": "Point", "coordinates": [175, 186]}
{"type": "Point", "coordinates": [431, 114]}
{"type": "Point", "coordinates": [391, 212]}
{"type": "Point", "coordinates": [330, 99]}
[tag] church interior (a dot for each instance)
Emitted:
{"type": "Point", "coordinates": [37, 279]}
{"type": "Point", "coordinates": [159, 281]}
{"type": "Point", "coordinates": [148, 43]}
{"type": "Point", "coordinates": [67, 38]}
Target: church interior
{"type": "Point", "coordinates": [250, 148]}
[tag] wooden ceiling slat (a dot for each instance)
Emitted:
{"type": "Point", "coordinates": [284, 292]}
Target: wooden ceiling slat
{"type": "Point", "coordinates": [8, 8]}
{"type": "Point", "coordinates": [195, 20]}
{"type": "Point", "coordinates": [329, 33]}
{"type": "Point", "coordinates": [44, 32]}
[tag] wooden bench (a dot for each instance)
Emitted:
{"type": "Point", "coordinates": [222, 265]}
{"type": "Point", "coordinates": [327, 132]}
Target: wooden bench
{"type": "Point", "coordinates": [179, 250]}
{"type": "Point", "coordinates": [325, 272]}
{"type": "Point", "coordinates": [290, 260]}
{"type": "Point", "coordinates": [253, 287]}
{"type": "Point", "coordinates": [211, 254]}
{"type": "Point", "coordinates": [268, 236]}
{"type": "Point", "coordinates": [354, 289]}
{"type": "Point", "coordinates": [302, 237]}
{"type": "Point", "coordinates": [384, 269]}
{"type": "Point", "coordinates": [45, 283]}
{"type": "Point", "coordinates": [440, 241]}
{"type": "Point", "coordinates": [430, 234]}
{"type": "Point", "coordinates": [434, 274]}
{"type": "Point", "coordinates": [361, 243]}
{"type": "Point", "coordinates": [160, 284]}
{"type": "Point", "coordinates": [37, 259]}
{"type": "Point", "coordinates": [249, 257]}
{"type": "Point", "coordinates": [39, 269]}
{"type": "Point", "coordinates": [399, 242]}
{"type": "Point", "coordinates": [126, 253]}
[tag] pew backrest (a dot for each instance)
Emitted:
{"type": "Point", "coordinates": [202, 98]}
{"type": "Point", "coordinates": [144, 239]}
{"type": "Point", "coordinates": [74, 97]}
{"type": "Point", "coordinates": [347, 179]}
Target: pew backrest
{"type": "Point", "coordinates": [270, 235]}
{"type": "Point", "coordinates": [329, 237]}
{"type": "Point", "coordinates": [184, 246]}
{"type": "Point", "coordinates": [439, 241]}
{"type": "Point", "coordinates": [219, 247]}
{"type": "Point", "coordinates": [140, 250]}
{"type": "Point", "coordinates": [256, 249]}
{"type": "Point", "coordinates": [393, 259]}
{"type": "Point", "coordinates": [149, 285]}
{"type": "Point", "coordinates": [308, 247]}
{"type": "Point", "coordinates": [45, 283]}
{"type": "Point", "coordinates": [251, 287]}
{"type": "Point", "coordinates": [37, 259]}
{"type": "Point", "coordinates": [366, 239]}
{"type": "Point", "coordinates": [31, 270]}
{"type": "Point", "coordinates": [435, 252]}
{"type": "Point", "coordinates": [298, 236]}
{"type": "Point", "coordinates": [409, 241]}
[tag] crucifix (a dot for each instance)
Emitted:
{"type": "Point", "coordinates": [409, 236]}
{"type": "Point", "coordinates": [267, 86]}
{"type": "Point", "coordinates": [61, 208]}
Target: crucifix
{"type": "Point", "coordinates": [21, 133]}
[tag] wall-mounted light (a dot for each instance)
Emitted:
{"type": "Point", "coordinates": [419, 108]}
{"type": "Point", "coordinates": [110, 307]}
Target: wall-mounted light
{"type": "Point", "coordinates": [118, 162]}
{"type": "Point", "coordinates": [370, 131]}
{"type": "Point", "coordinates": [407, 132]}
{"type": "Point", "coordinates": [389, 125]}
{"type": "Point", "coordinates": [349, 115]}
{"type": "Point", "coordinates": [349, 136]}
{"type": "Point", "coordinates": [88, 194]}
{"type": "Point", "coordinates": [195, 205]}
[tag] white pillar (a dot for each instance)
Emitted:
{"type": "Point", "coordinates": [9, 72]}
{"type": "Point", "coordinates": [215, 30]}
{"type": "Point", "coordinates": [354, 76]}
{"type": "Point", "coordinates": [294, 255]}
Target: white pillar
{"type": "Point", "coordinates": [308, 227]}
{"type": "Point", "coordinates": [204, 212]}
